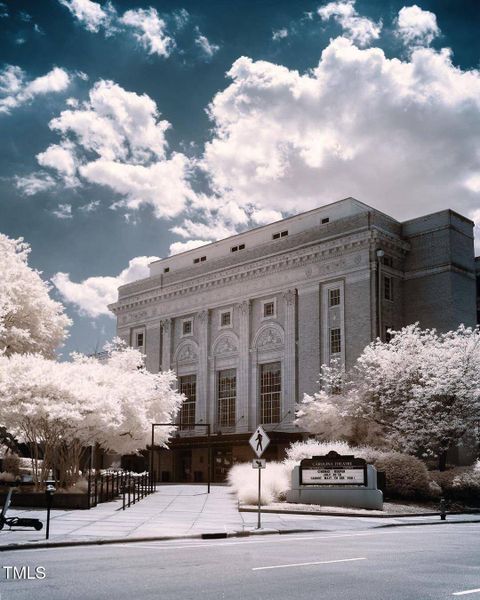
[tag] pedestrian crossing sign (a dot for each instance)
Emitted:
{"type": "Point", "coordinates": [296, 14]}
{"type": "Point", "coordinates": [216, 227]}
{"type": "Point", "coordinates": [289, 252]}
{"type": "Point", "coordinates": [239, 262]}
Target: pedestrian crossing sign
{"type": "Point", "coordinates": [259, 441]}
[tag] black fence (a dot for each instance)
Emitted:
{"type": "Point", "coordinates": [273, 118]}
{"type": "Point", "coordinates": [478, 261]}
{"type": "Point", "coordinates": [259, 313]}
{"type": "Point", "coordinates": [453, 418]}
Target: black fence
{"type": "Point", "coordinates": [108, 485]}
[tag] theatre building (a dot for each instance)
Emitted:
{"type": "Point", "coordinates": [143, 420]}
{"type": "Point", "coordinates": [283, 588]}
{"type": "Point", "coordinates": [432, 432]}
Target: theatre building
{"type": "Point", "coordinates": [247, 321]}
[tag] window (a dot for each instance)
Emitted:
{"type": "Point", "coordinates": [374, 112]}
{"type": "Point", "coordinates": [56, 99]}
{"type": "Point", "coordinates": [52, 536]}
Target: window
{"type": "Point", "coordinates": [187, 327]}
{"type": "Point", "coordinates": [270, 392]}
{"type": "Point", "coordinates": [203, 258]}
{"type": "Point", "coordinates": [166, 269]}
{"type": "Point", "coordinates": [325, 220]}
{"type": "Point", "coordinates": [335, 341]}
{"type": "Point", "coordinates": [280, 234]}
{"type": "Point", "coordinates": [334, 297]}
{"type": "Point", "coordinates": [196, 260]}
{"type": "Point", "coordinates": [283, 233]}
{"type": "Point", "coordinates": [269, 309]}
{"type": "Point", "coordinates": [239, 247]}
{"type": "Point", "coordinates": [225, 319]}
{"type": "Point", "coordinates": [388, 333]}
{"type": "Point", "coordinates": [227, 394]}
{"type": "Point", "coordinates": [188, 387]}
{"type": "Point", "coordinates": [388, 261]}
{"type": "Point", "coordinates": [276, 236]}
{"type": "Point", "coordinates": [139, 339]}
{"type": "Point", "coordinates": [387, 288]}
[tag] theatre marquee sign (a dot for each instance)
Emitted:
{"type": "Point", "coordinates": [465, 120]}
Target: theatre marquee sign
{"type": "Point", "coordinates": [333, 469]}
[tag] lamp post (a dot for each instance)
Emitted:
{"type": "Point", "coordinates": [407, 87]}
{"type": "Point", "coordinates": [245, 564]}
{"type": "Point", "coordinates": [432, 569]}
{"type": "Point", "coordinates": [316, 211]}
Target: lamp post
{"type": "Point", "coordinates": [209, 450]}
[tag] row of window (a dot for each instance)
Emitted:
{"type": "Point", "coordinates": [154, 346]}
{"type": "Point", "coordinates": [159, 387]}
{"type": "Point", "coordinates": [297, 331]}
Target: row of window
{"type": "Point", "coordinates": [335, 335]}
{"type": "Point", "coordinates": [275, 236]}
{"type": "Point", "coordinates": [270, 396]}
{"type": "Point", "coordinates": [268, 310]}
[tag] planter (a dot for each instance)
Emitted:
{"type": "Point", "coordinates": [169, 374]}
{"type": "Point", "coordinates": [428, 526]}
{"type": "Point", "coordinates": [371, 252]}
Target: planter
{"type": "Point", "coordinates": [39, 500]}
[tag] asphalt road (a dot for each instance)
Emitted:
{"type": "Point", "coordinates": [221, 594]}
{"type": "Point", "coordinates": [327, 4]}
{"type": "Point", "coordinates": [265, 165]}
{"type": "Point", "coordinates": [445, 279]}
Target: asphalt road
{"type": "Point", "coordinates": [406, 563]}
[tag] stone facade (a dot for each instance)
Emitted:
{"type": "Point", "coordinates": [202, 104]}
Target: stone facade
{"type": "Point", "coordinates": [298, 292]}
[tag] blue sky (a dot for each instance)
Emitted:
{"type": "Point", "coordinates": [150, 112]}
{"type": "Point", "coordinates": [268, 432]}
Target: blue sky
{"type": "Point", "coordinates": [134, 129]}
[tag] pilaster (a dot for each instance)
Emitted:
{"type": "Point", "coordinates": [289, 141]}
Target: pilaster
{"type": "Point", "coordinates": [166, 344]}
{"type": "Point", "coordinates": [290, 393]}
{"type": "Point", "coordinates": [202, 373]}
{"type": "Point", "coordinates": [243, 375]}
{"type": "Point", "coordinates": [152, 348]}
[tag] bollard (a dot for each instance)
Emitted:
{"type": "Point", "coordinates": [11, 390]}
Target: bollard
{"type": "Point", "coordinates": [443, 509]}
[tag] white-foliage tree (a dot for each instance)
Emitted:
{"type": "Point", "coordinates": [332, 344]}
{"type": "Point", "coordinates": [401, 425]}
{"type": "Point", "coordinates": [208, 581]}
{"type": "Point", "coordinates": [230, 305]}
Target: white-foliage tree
{"type": "Point", "coordinates": [59, 409]}
{"type": "Point", "coordinates": [422, 388]}
{"type": "Point", "coordinates": [30, 321]}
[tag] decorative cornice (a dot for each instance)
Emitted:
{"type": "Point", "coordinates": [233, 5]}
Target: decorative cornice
{"type": "Point", "coordinates": [259, 268]}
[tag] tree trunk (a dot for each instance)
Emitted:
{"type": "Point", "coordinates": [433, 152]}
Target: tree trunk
{"type": "Point", "coordinates": [442, 461]}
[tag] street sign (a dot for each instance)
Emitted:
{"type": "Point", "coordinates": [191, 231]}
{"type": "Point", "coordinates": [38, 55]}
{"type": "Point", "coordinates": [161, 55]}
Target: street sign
{"type": "Point", "coordinates": [259, 441]}
{"type": "Point", "coordinates": [259, 463]}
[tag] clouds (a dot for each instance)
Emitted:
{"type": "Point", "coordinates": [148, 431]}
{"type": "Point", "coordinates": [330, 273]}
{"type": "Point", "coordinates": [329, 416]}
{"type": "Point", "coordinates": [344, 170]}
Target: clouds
{"type": "Point", "coordinates": [208, 48]}
{"type": "Point", "coordinates": [403, 136]}
{"type": "Point", "coordinates": [16, 89]}
{"type": "Point", "coordinates": [92, 295]}
{"type": "Point", "coordinates": [91, 14]}
{"type": "Point", "coordinates": [416, 27]}
{"type": "Point", "coordinates": [150, 30]}
{"type": "Point", "coordinates": [178, 247]}
{"type": "Point", "coordinates": [359, 29]}
{"type": "Point", "coordinates": [153, 33]}
{"type": "Point", "coordinates": [34, 183]}
{"type": "Point", "coordinates": [116, 139]}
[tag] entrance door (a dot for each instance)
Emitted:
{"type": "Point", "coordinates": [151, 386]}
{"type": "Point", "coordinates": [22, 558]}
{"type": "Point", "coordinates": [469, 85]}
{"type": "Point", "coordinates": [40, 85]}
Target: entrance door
{"type": "Point", "coordinates": [222, 463]}
{"type": "Point", "coordinates": [185, 466]}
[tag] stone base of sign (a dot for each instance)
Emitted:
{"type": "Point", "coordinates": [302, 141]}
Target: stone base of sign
{"type": "Point", "coordinates": [347, 496]}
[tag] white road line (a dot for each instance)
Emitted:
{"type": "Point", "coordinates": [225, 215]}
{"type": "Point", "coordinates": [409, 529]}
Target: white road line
{"type": "Point", "coordinates": [320, 562]}
{"type": "Point", "coordinates": [476, 591]}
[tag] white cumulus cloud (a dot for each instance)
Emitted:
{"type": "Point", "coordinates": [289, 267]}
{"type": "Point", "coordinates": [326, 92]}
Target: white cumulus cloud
{"type": "Point", "coordinates": [91, 14]}
{"type": "Point", "coordinates": [116, 139]}
{"type": "Point", "coordinates": [416, 27]}
{"type": "Point", "coordinates": [401, 135]}
{"type": "Point", "coordinates": [178, 247]}
{"type": "Point", "coordinates": [359, 29]}
{"type": "Point", "coordinates": [150, 30]}
{"type": "Point", "coordinates": [206, 46]}
{"type": "Point", "coordinates": [16, 90]}
{"type": "Point", "coordinates": [92, 295]}
{"type": "Point", "coordinates": [34, 183]}
{"type": "Point", "coordinates": [61, 158]}
{"type": "Point", "coordinates": [280, 34]}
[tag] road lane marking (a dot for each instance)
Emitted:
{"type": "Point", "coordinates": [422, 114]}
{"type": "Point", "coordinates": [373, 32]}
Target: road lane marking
{"type": "Point", "coordinates": [320, 562]}
{"type": "Point", "coordinates": [476, 591]}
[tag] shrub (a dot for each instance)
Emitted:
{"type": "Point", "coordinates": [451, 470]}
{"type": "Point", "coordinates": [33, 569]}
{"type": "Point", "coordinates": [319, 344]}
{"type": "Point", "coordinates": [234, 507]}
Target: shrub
{"type": "Point", "coordinates": [11, 464]}
{"type": "Point", "coordinates": [7, 476]}
{"type": "Point", "coordinates": [406, 476]}
{"type": "Point", "coordinates": [460, 484]}
{"type": "Point", "coordinates": [244, 481]}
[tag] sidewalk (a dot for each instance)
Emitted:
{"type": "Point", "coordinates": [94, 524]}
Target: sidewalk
{"type": "Point", "coordinates": [184, 511]}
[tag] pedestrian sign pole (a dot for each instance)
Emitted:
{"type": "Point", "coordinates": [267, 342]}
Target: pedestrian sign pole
{"type": "Point", "coordinates": [259, 442]}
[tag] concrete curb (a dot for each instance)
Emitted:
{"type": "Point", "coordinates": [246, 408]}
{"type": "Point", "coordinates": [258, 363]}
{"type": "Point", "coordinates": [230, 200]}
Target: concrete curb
{"type": "Point", "coordinates": [341, 514]}
{"type": "Point", "coordinates": [197, 536]}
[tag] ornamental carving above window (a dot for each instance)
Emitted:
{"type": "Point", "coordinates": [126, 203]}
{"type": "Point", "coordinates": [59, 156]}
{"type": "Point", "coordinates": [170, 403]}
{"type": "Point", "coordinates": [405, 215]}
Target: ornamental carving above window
{"type": "Point", "coordinates": [268, 338]}
{"type": "Point", "coordinates": [187, 353]}
{"type": "Point", "coordinates": [226, 345]}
